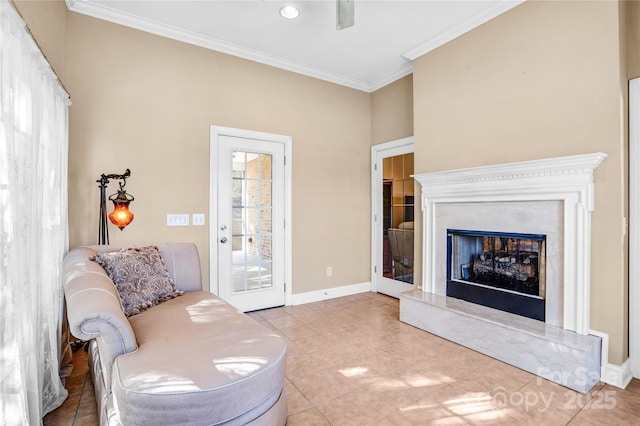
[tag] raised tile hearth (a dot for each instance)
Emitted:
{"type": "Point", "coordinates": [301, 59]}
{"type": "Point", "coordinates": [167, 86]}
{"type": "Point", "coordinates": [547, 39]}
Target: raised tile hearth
{"type": "Point", "coordinates": [564, 357]}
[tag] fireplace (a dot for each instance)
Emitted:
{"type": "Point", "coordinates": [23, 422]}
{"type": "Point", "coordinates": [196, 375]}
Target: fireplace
{"type": "Point", "coordinates": [544, 207]}
{"type": "Point", "coordinates": [501, 270]}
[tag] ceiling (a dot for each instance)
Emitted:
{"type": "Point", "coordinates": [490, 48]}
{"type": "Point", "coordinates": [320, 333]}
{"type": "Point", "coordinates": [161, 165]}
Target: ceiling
{"type": "Point", "coordinates": [377, 50]}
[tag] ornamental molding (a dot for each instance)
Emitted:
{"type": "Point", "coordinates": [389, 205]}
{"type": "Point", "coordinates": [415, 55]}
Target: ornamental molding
{"type": "Point", "coordinates": [571, 168]}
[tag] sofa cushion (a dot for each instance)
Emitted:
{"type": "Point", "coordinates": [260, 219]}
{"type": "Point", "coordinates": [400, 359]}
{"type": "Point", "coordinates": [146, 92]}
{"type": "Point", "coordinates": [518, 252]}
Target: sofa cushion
{"type": "Point", "coordinates": [199, 361]}
{"type": "Point", "coordinates": [140, 276]}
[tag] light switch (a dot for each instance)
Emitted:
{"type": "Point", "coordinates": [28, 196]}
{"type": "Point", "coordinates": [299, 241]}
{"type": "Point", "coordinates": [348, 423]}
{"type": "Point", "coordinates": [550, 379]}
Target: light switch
{"type": "Point", "coordinates": [197, 219]}
{"type": "Point", "coordinates": [177, 220]}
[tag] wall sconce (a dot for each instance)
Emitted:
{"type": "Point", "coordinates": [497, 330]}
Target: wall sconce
{"type": "Point", "coordinates": [120, 216]}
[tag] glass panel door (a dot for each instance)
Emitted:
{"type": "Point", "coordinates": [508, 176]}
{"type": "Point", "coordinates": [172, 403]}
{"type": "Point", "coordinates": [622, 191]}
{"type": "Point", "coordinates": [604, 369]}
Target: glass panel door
{"type": "Point", "coordinates": [251, 223]}
{"type": "Point", "coordinates": [250, 231]}
{"type": "Point", "coordinates": [398, 221]}
{"type": "Point", "coordinates": [392, 230]}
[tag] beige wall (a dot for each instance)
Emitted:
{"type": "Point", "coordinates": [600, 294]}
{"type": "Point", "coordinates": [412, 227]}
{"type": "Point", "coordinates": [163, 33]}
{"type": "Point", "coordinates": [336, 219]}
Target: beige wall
{"type": "Point", "coordinates": [146, 103]}
{"type": "Point", "coordinates": [633, 37]}
{"type": "Point", "coordinates": [47, 21]}
{"type": "Point", "coordinates": [542, 80]}
{"type": "Point", "coordinates": [392, 111]}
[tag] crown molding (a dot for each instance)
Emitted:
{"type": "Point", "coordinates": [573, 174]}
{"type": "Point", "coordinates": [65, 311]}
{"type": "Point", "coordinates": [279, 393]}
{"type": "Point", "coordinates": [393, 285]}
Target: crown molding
{"type": "Point", "coordinates": [403, 71]}
{"type": "Point", "coordinates": [458, 30]}
{"type": "Point", "coordinates": [99, 11]}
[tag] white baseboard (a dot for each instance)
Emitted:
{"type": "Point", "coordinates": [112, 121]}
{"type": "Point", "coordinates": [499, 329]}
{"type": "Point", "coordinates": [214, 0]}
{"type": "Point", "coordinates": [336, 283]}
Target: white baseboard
{"type": "Point", "coordinates": [617, 375]}
{"type": "Point", "coordinates": [329, 293]}
{"type": "Point", "coordinates": [612, 374]}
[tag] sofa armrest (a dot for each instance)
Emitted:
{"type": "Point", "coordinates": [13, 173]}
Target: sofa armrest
{"type": "Point", "coordinates": [93, 304]}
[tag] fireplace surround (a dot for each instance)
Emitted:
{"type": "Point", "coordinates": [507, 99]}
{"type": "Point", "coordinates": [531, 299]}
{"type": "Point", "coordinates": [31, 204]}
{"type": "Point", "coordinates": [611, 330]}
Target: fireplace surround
{"type": "Point", "coordinates": [551, 197]}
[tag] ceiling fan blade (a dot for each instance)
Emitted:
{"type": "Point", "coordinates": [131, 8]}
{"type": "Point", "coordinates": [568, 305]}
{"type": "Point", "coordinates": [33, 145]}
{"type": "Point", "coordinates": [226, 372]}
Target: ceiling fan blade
{"type": "Point", "coordinates": [344, 13]}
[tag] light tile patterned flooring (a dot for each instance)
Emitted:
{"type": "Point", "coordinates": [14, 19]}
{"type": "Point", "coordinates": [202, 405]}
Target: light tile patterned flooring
{"type": "Point", "coordinates": [352, 362]}
{"type": "Point", "coordinates": [80, 407]}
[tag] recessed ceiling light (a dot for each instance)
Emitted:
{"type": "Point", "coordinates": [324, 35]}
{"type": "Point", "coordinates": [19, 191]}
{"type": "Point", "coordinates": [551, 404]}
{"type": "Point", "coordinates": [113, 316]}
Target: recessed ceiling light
{"type": "Point", "coordinates": [289, 12]}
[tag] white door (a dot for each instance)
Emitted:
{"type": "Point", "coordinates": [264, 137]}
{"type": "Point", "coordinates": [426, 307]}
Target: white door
{"type": "Point", "coordinates": [248, 233]}
{"type": "Point", "coordinates": [392, 217]}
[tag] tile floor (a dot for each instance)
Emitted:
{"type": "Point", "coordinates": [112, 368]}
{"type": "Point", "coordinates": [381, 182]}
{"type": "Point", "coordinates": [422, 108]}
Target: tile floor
{"type": "Point", "coordinates": [80, 407]}
{"type": "Point", "coordinates": [352, 362]}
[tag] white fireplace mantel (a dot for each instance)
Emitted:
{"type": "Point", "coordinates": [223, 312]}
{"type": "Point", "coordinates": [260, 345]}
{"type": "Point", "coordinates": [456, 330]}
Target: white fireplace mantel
{"type": "Point", "coordinates": [567, 179]}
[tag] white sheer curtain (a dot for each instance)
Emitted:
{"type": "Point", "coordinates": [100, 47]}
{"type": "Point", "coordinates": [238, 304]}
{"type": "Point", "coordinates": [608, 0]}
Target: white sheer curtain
{"type": "Point", "coordinates": [33, 225]}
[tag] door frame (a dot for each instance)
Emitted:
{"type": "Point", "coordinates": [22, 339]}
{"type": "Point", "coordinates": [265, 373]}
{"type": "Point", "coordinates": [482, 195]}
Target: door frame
{"type": "Point", "coordinates": [634, 226]}
{"type": "Point", "coordinates": [215, 133]}
{"type": "Point", "coordinates": [399, 146]}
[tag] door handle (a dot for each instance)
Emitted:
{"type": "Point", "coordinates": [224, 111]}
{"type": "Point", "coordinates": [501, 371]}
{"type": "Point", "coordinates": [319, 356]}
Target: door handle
{"type": "Point", "coordinates": [223, 240]}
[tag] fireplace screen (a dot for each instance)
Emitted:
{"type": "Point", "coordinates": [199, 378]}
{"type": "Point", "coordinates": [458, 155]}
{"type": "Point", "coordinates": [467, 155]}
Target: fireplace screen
{"type": "Point", "coordinates": [501, 270]}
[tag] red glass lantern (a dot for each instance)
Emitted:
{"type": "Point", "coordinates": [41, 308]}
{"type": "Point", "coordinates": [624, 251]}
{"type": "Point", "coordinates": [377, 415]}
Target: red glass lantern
{"type": "Point", "coordinates": [121, 216]}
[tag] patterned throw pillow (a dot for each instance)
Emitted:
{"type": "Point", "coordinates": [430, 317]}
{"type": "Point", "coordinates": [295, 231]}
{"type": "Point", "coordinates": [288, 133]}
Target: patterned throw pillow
{"type": "Point", "coordinates": [140, 276]}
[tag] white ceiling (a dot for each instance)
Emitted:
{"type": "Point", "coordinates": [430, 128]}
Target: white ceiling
{"type": "Point", "coordinates": [377, 50]}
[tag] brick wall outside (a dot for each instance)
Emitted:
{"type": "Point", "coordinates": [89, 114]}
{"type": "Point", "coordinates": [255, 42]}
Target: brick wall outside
{"type": "Point", "coordinates": [259, 203]}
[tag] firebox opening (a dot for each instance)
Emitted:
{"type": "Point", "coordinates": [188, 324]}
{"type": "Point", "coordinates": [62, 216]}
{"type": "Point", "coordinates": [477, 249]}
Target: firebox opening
{"type": "Point", "coordinates": [500, 270]}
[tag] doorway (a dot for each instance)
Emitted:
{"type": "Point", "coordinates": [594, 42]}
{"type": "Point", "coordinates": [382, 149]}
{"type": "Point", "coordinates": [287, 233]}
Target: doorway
{"type": "Point", "coordinates": [250, 208]}
{"type": "Point", "coordinates": [392, 251]}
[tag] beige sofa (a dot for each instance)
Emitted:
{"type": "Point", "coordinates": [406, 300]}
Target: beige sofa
{"type": "Point", "coordinates": [192, 360]}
